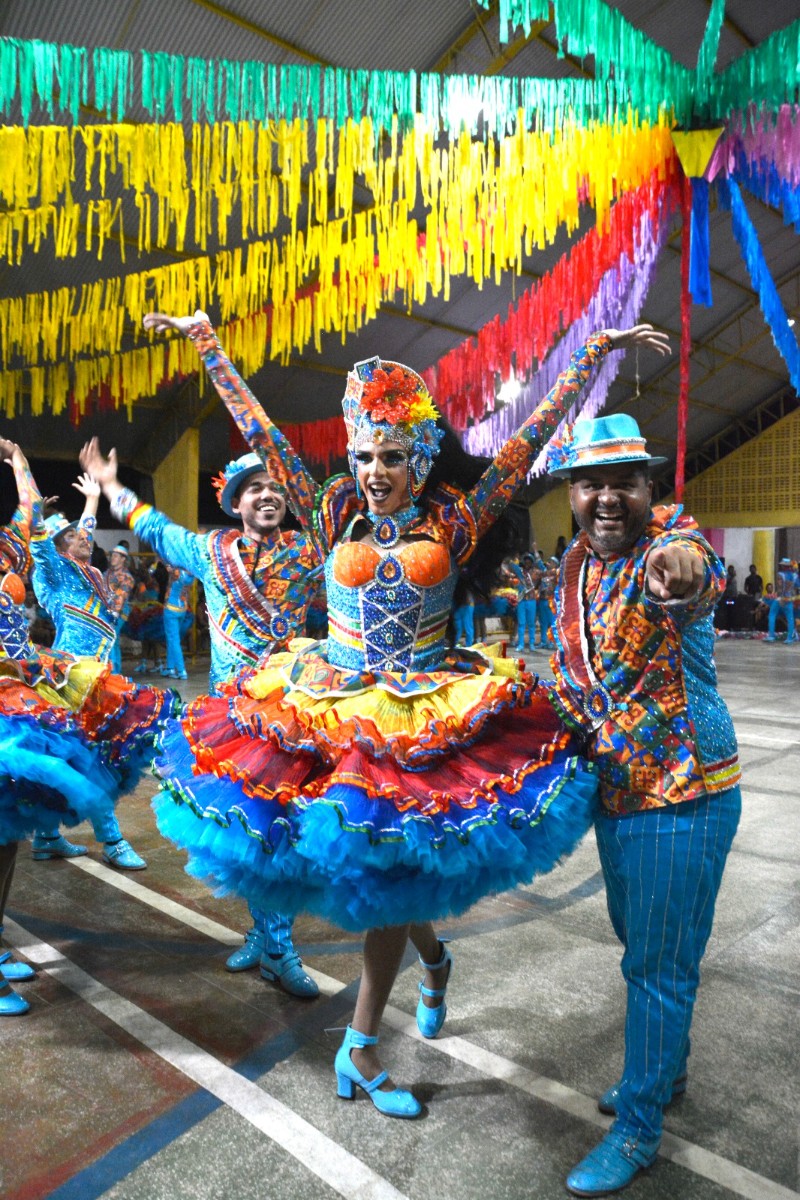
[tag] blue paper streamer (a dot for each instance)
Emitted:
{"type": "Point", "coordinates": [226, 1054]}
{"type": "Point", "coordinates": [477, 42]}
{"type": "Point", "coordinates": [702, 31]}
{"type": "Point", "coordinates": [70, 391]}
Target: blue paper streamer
{"type": "Point", "coordinates": [774, 313]}
{"type": "Point", "coordinates": [699, 267]}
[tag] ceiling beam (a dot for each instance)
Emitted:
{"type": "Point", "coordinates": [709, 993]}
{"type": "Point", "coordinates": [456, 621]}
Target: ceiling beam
{"type": "Point", "coordinates": [260, 31]}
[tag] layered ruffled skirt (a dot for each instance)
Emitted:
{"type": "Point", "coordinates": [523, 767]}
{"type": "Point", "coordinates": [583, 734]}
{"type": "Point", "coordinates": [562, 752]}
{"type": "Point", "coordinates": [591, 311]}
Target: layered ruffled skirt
{"type": "Point", "coordinates": [73, 738]}
{"type": "Point", "coordinates": [370, 799]}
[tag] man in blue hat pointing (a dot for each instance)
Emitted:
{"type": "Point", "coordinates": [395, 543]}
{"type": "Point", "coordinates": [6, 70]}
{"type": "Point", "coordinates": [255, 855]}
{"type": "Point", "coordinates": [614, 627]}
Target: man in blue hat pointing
{"type": "Point", "coordinates": [635, 672]}
{"type": "Point", "coordinates": [258, 583]}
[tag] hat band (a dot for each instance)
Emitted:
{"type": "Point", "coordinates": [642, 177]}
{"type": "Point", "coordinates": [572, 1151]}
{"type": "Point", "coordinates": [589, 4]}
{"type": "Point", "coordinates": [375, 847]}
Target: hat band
{"type": "Point", "coordinates": [609, 452]}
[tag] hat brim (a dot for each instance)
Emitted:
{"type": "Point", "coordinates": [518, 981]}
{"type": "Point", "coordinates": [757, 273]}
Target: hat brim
{"type": "Point", "coordinates": [63, 529]}
{"type": "Point", "coordinates": [228, 494]}
{"type": "Point", "coordinates": [650, 460]}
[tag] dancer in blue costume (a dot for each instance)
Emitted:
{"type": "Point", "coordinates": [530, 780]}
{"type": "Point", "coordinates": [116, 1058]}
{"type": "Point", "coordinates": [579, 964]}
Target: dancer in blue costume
{"type": "Point", "coordinates": [50, 773]}
{"type": "Point", "coordinates": [74, 594]}
{"type": "Point", "coordinates": [119, 585]}
{"type": "Point", "coordinates": [257, 583]}
{"type": "Point", "coordinates": [177, 621]}
{"type": "Point", "coordinates": [379, 780]}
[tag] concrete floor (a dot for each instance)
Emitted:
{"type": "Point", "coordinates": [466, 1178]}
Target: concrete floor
{"type": "Point", "coordinates": [144, 1070]}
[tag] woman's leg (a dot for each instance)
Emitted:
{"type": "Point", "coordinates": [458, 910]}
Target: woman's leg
{"type": "Point", "coordinates": [8, 857]}
{"type": "Point", "coordinates": [430, 949]}
{"type": "Point", "coordinates": [383, 953]}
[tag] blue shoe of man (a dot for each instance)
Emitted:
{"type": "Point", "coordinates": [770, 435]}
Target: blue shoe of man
{"type": "Point", "coordinates": [250, 954]}
{"type": "Point", "coordinates": [612, 1165]}
{"type": "Point", "coordinates": [55, 847]}
{"type": "Point", "coordinates": [288, 971]}
{"type": "Point", "coordinates": [121, 854]}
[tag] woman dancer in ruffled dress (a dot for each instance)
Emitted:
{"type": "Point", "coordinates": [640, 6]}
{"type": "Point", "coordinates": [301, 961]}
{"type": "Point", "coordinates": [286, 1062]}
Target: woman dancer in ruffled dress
{"type": "Point", "coordinates": [378, 779]}
{"type": "Point", "coordinates": [50, 772]}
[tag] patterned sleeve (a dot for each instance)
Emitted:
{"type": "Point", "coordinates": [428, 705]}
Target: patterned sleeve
{"type": "Point", "coordinates": [496, 487]}
{"type": "Point", "coordinates": [175, 545]}
{"type": "Point", "coordinates": [279, 457]}
{"type": "Point", "coordinates": [15, 537]}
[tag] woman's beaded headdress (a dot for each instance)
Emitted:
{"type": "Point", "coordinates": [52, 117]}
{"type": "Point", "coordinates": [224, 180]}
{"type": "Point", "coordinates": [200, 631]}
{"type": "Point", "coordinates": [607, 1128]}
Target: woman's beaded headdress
{"type": "Point", "coordinates": [388, 402]}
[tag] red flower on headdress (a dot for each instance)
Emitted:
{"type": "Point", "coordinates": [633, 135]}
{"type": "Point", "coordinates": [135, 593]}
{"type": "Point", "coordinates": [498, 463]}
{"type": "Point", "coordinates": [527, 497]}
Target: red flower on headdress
{"type": "Point", "coordinates": [388, 396]}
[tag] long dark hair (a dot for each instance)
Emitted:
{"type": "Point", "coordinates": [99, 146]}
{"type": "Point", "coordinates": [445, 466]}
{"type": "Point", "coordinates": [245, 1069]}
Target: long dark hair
{"type": "Point", "coordinates": [457, 467]}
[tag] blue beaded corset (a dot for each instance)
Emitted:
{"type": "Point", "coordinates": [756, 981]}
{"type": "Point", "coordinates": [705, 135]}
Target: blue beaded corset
{"type": "Point", "coordinates": [14, 640]}
{"type": "Point", "coordinates": [388, 612]}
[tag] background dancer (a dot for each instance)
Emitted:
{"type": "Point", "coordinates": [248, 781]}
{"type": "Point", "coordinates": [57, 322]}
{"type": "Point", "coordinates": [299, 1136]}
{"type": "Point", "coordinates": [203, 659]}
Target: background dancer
{"type": "Point", "coordinates": [49, 772]}
{"type": "Point", "coordinates": [635, 673]}
{"type": "Point", "coordinates": [75, 596]}
{"type": "Point", "coordinates": [119, 584]}
{"type": "Point", "coordinates": [257, 585]}
{"type": "Point", "coordinates": [386, 779]}
{"type": "Point", "coordinates": [177, 620]}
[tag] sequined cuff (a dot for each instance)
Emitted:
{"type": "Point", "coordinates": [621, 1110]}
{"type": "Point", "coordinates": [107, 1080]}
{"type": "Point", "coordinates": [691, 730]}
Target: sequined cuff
{"type": "Point", "coordinates": [204, 339]}
{"type": "Point", "coordinates": [123, 505]}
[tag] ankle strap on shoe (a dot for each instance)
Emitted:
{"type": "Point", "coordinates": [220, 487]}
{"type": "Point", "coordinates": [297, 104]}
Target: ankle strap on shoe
{"type": "Point", "coordinates": [359, 1040]}
{"type": "Point", "coordinates": [442, 958]}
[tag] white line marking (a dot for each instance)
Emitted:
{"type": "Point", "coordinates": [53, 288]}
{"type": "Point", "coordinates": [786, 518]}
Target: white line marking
{"type": "Point", "coordinates": [711, 1166]}
{"type": "Point", "coordinates": [341, 1170]}
{"type": "Point", "coordinates": [186, 916]}
{"type": "Point", "coordinates": [694, 1158]}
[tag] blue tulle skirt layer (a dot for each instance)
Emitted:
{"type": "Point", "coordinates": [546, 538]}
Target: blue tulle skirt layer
{"type": "Point", "coordinates": [298, 805]}
{"type": "Point", "coordinates": [49, 775]}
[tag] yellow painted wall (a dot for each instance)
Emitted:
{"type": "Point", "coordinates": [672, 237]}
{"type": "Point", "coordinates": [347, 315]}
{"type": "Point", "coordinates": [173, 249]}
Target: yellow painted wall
{"type": "Point", "coordinates": [551, 518]}
{"type": "Point", "coordinates": [756, 485]}
{"type": "Point", "coordinates": [764, 553]}
{"type": "Point", "coordinates": [175, 480]}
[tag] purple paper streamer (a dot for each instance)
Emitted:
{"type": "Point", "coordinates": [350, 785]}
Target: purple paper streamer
{"type": "Point", "coordinates": [764, 139]}
{"type": "Point", "coordinates": [617, 303]}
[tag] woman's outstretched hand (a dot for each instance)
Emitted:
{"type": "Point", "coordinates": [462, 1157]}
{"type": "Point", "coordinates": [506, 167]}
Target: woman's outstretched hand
{"type": "Point", "coordinates": [640, 335]}
{"type": "Point", "coordinates": [162, 322]}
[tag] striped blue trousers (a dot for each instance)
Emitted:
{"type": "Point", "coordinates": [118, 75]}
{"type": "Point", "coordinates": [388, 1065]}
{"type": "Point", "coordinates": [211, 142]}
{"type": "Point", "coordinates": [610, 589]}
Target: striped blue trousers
{"type": "Point", "coordinates": [662, 868]}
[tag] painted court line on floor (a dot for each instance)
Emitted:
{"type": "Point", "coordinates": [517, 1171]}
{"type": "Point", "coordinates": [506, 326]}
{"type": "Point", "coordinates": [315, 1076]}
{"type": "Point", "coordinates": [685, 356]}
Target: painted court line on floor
{"type": "Point", "coordinates": [342, 1171]}
{"type": "Point", "coordinates": [736, 1178]}
{"type": "Point", "coordinates": [185, 916]}
{"type": "Point", "coordinates": [694, 1158]}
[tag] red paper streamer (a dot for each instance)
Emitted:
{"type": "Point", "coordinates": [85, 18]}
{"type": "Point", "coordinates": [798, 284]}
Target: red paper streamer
{"type": "Point", "coordinates": [686, 339]}
{"type": "Point", "coordinates": [462, 383]}
{"type": "Point", "coordinates": [321, 444]}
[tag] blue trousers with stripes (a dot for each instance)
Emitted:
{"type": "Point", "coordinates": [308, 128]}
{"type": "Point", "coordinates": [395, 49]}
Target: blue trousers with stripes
{"type": "Point", "coordinates": [662, 868]}
{"type": "Point", "coordinates": [277, 931]}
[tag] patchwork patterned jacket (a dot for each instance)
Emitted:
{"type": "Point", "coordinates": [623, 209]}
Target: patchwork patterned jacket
{"type": "Point", "coordinates": [637, 676]}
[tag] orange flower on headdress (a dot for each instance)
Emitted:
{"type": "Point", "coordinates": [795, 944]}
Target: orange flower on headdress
{"type": "Point", "coordinates": [397, 398]}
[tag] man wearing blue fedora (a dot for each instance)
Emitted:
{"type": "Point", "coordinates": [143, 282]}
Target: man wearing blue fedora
{"type": "Point", "coordinates": [258, 583]}
{"type": "Point", "coordinates": [634, 672]}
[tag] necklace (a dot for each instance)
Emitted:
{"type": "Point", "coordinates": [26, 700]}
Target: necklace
{"type": "Point", "coordinates": [387, 530]}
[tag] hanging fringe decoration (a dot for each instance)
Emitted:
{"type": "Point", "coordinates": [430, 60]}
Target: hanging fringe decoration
{"type": "Point", "coordinates": [617, 303]}
{"type": "Point", "coordinates": [464, 381]}
{"type": "Point", "coordinates": [774, 313]}
{"type": "Point", "coordinates": [55, 80]}
{"type": "Point", "coordinates": [362, 259]}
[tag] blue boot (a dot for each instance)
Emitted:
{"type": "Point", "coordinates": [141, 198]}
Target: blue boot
{"type": "Point", "coordinates": [397, 1103]}
{"type": "Point", "coordinates": [55, 847]}
{"type": "Point", "coordinates": [608, 1101]}
{"type": "Point", "coordinates": [250, 954]}
{"type": "Point", "coordinates": [431, 1020]}
{"type": "Point", "coordinates": [613, 1164]}
{"type": "Point", "coordinates": [289, 973]}
{"type": "Point", "coordinates": [121, 854]}
{"type": "Point", "coordinates": [14, 970]}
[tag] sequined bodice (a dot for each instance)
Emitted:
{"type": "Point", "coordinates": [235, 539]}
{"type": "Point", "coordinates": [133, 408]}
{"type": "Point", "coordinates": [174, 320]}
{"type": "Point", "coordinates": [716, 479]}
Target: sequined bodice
{"type": "Point", "coordinates": [389, 611]}
{"type": "Point", "coordinates": [14, 640]}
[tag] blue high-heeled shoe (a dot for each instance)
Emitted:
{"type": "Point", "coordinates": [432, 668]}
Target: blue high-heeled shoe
{"type": "Point", "coordinates": [431, 1020]}
{"type": "Point", "coordinates": [392, 1104]}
